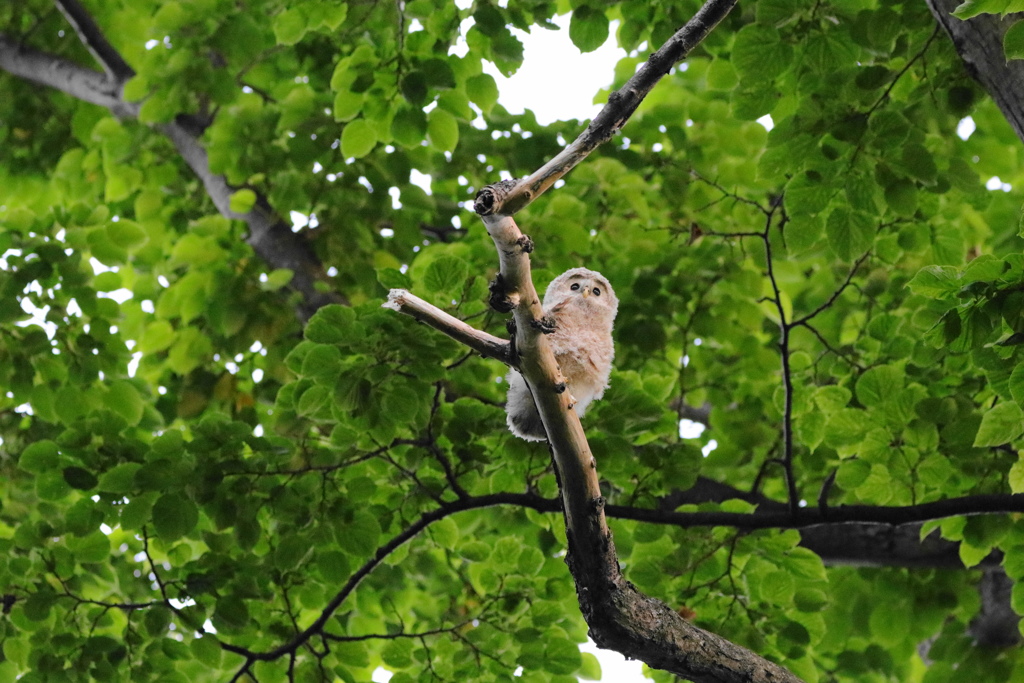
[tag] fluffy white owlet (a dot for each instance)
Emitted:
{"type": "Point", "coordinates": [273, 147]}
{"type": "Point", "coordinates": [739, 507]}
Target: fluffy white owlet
{"type": "Point", "coordinates": [583, 306]}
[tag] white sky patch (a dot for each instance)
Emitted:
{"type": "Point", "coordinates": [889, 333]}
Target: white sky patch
{"type": "Point", "coordinates": [615, 667]}
{"type": "Point", "coordinates": [420, 179]}
{"type": "Point", "coordinates": [396, 202]}
{"type": "Point", "coordinates": [688, 429]}
{"type": "Point", "coordinates": [579, 76]}
{"type": "Point", "coordinates": [995, 183]}
{"type": "Point", "coordinates": [299, 220]}
{"type": "Point", "coordinates": [133, 364]}
{"type": "Point", "coordinates": [965, 128]}
{"type": "Point", "coordinates": [767, 121]}
{"type": "Point", "coordinates": [712, 445]}
{"type": "Point", "coordinates": [381, 675]}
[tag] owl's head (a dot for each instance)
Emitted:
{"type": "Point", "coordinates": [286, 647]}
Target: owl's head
{"type": "Point", "coordinates": [583, 288]}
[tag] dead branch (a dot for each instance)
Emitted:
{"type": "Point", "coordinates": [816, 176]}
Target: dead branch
{"type": "Point", "coordinates": [485, 344]}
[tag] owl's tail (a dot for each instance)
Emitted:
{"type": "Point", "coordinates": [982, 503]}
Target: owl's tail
{"type": "Point", "coordinates": [522, 416]}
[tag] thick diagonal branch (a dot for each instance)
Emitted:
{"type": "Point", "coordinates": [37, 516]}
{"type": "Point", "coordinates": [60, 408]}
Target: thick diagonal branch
{"type": "Point", "coordinates": [979, 42]}
{"type": "Point", "coordinates": [621, 105]}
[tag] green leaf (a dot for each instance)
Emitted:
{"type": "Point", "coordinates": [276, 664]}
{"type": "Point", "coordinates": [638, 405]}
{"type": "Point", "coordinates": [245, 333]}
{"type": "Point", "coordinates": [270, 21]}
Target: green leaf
{"type": "Point", "coordinates": [807, 194]}
{"type": "Point", "coordinates": [777, 588]}
{"type": "Point", "coordinates": [158, 336]}
{"type": "Point", "coordinates": [850, 233]}
{"type": "Point", "coordinates": [999, 425]}
{"type": "Point", "coordinates": [119, 479]}
{"type": "Point", "coordinates": [322, 363]}
{"type": "Point", "coordinates": [333, 565]}
{"type": "Point", "coordinates": [901, 196]}
{"type": "Point", "coordinates": [362, 534]}
{"type": "Point", "coordinates": [124, 399]}
{"type": "Point", "coordinates": [174, 516]}
{"type": "Point", "coordinates": [291, 552]}
{"type": "Point", "coordinates": [80, 478]}
{"type": "Point", "coordinates": [852, 473]}
{"type": "Point", "coordinates": [483, 91]}
{"type": "Point", "coordinates": [397, 654]}
{"type": "Point", "coordinates": [392, 278]}
{"type": "Point", "coordinates": [334, 15]}
{"type": "Point", "coordinates": [590, 667]}
{"type": "Point", "coordinates": [776, 12]}
{"type": "Point", "coordinates": [442, 130]}
{"type": "Point", "coordinates": [127, 234]}
{"type": "Point", "coordinates": [289, 26]}
{"type": "Point", "coordinates": [588, 28]}
{"type": "Point", "coordinates": [231, 613]}
{"type": "Point", "coordinates": [242, 201]}
{"type": "Point", "coordinates": [445, 532]}
{"type": "Point", "coordinates": [879, 384]}
{"type": "Point", "coordinates": [39, 457]}
{"type": "Point", "coordinates": [94, 547]}
{"type": "Point", "coordinates": [920, 163]}
{"type": "Point", "coordinates": [935, 281]}
{"type": "Point", "coordinates": [277, 278]}
{"type": "Point", "coordinates": [1017, 384]}
{"type": "Point", "coordinates": [446, 274]}
{"type": "Point", "coordinates": [358, 139]}
{"type": "Point", "coordinates": [759, 54]}
{"type": "Point", "coordinates": [347, 105]}
{"type": "Point", "coordinates": [561, 656]}
{"type": "Point", "coordinates": [972, 8]}
{"type": "Point", "coordinates": [409, 127]}
{"type": "Point", "coordinates": [331, 324]}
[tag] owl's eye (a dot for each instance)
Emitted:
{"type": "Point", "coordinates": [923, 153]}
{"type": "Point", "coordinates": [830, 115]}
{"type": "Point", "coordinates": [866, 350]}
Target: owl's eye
{"type": "Point", "coordinates": [575, 286]}
{"type": "Point", "coordinates": [597, 292]}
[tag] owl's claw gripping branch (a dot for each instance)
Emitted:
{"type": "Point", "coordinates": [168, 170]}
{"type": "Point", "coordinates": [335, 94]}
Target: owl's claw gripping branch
{"type": "Point", "coordinates": [545, 325]}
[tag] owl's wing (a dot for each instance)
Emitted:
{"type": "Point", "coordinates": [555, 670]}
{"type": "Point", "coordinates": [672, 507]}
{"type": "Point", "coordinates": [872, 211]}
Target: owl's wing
{"type": "Point", "coordinates": [557, 308]}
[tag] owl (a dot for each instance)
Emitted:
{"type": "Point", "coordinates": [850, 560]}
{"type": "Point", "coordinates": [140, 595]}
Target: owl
{"type": "Point", "coordinates": [583, 306]}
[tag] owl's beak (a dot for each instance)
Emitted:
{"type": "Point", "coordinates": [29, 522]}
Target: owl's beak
{"type": "Point", "coordinates": [586, 293]}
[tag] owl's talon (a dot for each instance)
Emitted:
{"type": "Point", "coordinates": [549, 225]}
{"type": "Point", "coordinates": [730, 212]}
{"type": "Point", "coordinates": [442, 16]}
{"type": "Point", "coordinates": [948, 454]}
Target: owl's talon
{"type": "Point", "coordinates": [560, 388]}
{"type": "Point", "coordinates": [525, 243]}
{"type": "Point", "coordinates": [546, 325]}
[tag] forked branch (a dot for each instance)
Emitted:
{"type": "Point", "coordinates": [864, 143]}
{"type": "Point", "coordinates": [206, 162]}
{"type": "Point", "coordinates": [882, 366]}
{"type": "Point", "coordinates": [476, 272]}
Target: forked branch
{"type": "Point", "coordinates": [517, 194]}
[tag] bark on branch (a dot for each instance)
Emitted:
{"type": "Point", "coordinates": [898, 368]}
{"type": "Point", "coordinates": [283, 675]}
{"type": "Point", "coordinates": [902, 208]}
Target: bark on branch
{"type": "Point", "coordinates": [485, 344]}
{"type": "Point", "coordinates": [518, 194]}
{"type": "Point", "coordinates": [979, 42]}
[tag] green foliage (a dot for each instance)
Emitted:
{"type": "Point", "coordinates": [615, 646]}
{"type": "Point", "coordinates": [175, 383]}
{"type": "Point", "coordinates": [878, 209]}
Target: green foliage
{"type": "Point", "coordinates": [192, 458]}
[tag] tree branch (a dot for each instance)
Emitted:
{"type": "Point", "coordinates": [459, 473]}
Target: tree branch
{"type": "Point", "coordinates": [485, 344]}
{"type": "Point", "coordinates": [620, 617]}
{"type": "Point", "coordinates": [54, 72]}
{"type": "Point", "coordinates": [269, 235]}
{"type": "Point", "coordinates": [979, 42]}
{"type": "Point", "coordinates": [621, 105]}
{"type": "Point", "coordinates": [92, 37]}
